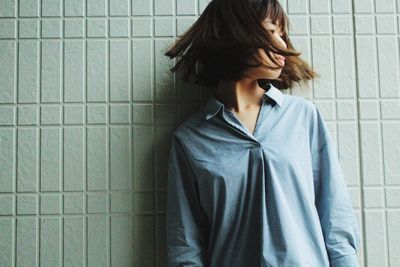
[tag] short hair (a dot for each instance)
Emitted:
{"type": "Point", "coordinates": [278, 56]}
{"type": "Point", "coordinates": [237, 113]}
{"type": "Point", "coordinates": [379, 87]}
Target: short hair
{"type": "Point", "coordinates": [227, 34]}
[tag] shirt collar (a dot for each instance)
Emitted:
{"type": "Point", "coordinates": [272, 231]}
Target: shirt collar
{"type": "Point", "coordinates": [213, 105]}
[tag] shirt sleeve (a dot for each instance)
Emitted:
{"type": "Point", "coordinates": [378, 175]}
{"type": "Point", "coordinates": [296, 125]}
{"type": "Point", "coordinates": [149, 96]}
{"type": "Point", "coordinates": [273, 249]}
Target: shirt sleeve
{"type": "Point", "coordinates": [332, 200]}
{"type": "Point", "coordinates": [185, 221]}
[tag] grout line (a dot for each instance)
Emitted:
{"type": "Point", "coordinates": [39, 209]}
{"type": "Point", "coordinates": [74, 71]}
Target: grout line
{"type": "Point", "coordinates": [108, 134]}
{"type": "Point", "coordinates": [381, 150]}
{"type": "Point", "coordinates": [107, 39]}
{"type": "Point", "coordinates": [85, 140]}
{"type": "Point", "coordinates": [154, 129]}
{"type": "Point", "coordinates": [39, 48]}
{"type": "Point", "coordinates": [131, 131]}
{"type": "Point", "coordinates": [62, 148]}
{"type": "Point", "coordinates": [363, 231]}
{"type": "Point", "coordinates": [16, 134]}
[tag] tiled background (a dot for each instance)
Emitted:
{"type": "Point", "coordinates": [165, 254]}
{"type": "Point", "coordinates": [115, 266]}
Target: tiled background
{"type": "Point", "coordinates": [87, 105]}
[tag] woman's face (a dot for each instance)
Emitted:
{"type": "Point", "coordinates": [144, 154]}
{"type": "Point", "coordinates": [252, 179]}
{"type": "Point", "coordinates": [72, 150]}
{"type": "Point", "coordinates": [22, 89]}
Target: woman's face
{"type": "Point", "coordinates": [267, 73]}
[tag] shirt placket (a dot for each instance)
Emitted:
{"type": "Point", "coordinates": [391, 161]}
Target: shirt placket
{"type": "Point", "coordinates": [233, 121]}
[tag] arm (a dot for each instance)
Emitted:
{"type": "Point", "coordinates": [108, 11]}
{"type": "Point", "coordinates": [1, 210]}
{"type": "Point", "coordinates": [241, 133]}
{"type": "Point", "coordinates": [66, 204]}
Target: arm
{"type": "Point", "coordinates": [332, 200]}
{"type": "Point", "coordinates": [186, 224]}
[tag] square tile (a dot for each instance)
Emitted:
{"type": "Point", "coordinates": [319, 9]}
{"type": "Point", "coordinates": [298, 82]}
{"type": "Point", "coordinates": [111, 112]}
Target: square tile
{"type": "Point", "coordinates": [364, 24]}
{"type": "Point", "coordinates": [97, 202]}
{"type": "Point", "coordinates": [6, 205]}
{"type": "Point", "coordinates": [119, 27]}
{"type": "Point", "coordinates": [386, 24]}
{"type": "Point", "coordinates": [342, 25]}
{"type": "Point", "coordinates": [74, 28]}
{"type": "Point", "coordinates": [50, 114]}
{"type": "Point", "coordinates": [8, 29]}
{"type": "Point", "coordinates": [28, 28]}
{"type": "Point", "coordinates": [7, 115]}
{"type": "Point", "coordinates": [141, 27]}
{"type": "Point", "coordinates": [27, 204]}
{"type": "Point", "coordinates": [74, 203]}
{"type": "Point", "coordinates": [163, 27]}
{"type": "Point", "coordinates": [142, 113]}
{"type": "Point", "coordinates": [120, 113]}
{"type": "Point", "coordinates": [97, 114]}
{"type": "Point", "coordinates": [121, 202]}
{"type": "Point", "coordinates": [74, 114]}
{"type": "Point", "coordinates": [320, 25]}
{"type": "Point", "coordinates": [51, 29]}
{"type": "Point", "coordinates": [28, 115]}
{"type": "Point", "coordinates": [50, 204]}
{"type": "Point", "coordinates": [7, 9]}
{"type": "Point", "coordinates": [96, 28]}
{"type": "Point", "coordinates": [74, 8]}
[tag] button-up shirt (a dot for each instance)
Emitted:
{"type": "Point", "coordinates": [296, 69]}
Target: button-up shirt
{"type": "Point", "coordinates": [276, 197]}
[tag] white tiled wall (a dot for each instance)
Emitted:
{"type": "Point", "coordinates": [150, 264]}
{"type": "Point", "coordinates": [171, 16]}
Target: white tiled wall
{"type": "Point", "coordinates": [87, 104]}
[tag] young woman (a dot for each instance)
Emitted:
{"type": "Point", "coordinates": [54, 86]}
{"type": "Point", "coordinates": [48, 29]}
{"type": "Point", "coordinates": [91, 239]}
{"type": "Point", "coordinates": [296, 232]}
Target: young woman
{"type": "Point", "coordinates": [253, 177]}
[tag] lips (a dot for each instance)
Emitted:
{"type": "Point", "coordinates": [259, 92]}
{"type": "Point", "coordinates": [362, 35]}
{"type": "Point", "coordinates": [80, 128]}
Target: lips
{"type": "Point", "coordinates": [280, 57]}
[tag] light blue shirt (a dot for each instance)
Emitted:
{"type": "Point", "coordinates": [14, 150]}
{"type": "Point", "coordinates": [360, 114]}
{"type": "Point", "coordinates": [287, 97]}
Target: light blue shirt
{"type": "Point", "coordinates": [275, 198]}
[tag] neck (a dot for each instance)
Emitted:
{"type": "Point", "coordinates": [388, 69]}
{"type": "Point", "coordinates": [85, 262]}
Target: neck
{"type": "Point", "coordinates": [239, 96]}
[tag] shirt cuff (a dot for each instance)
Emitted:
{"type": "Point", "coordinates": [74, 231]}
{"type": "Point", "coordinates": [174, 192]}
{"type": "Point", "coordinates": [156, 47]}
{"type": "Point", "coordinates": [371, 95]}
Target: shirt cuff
{"type": "Point", "coordinates": [345, 261]}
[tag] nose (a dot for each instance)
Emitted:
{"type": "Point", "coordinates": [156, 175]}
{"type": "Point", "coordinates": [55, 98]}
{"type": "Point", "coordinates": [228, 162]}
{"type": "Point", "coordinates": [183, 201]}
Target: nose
{"type": "Point", "coordinates": [282, 42]}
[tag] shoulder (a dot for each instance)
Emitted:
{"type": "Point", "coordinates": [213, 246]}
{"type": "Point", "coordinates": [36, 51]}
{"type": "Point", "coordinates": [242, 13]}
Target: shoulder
{"type": "Point", "coordinates": [300, 105]}
{"type": "Point", "coordinates": [306, 111]}
{"type": "Point", "coordinates": [192, 135]}
{"type": "Point", "coordinates": [298, 100]}
{"type": "Point", "coordinates": [188, 126]}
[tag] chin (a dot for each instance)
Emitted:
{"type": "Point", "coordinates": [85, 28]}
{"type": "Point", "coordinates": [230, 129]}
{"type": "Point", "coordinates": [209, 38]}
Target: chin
{"type": "Point", "coordinates": [263, 74]}
{"type": "Point", "coordinates": [270, 75]}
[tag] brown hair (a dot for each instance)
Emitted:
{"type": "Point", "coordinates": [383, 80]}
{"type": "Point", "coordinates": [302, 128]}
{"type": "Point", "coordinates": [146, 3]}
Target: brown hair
{"type": "Point", "coordinates": [227, 34]}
